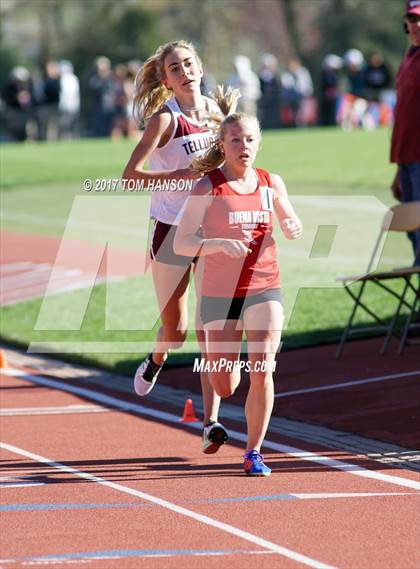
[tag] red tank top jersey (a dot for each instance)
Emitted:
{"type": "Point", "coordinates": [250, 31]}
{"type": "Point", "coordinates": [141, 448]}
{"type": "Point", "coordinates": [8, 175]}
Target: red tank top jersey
{"type": "Point", "coordinates": [248, 218]}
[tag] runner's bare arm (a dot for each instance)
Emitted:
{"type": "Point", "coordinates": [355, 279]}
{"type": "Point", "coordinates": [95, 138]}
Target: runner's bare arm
{"type": "Point", "coordinates": [290, 224]}
{"type": "Point", "coordinates": [188, 241]}
{"type": "Point", "coordinates": [157, 132]}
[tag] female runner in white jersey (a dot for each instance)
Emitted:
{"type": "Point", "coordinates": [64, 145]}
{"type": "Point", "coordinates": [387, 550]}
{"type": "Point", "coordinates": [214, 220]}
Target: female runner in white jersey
{"type": "Point", "coordinates": [228, 220]}
{"type": "Point", "coordinates": [168, 98]}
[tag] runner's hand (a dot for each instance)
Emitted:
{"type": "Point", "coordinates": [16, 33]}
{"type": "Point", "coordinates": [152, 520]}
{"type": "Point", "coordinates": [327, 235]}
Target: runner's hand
{"type": "Point", "coordinates": [291, 227]}
{"type": "Point", "coordinates": [233, 248]}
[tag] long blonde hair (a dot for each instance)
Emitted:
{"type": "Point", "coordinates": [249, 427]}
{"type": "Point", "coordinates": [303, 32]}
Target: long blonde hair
{"type": "Point", "coordinates": [150, 93]}
{"type": "Point", "coordinates": [214, 156]}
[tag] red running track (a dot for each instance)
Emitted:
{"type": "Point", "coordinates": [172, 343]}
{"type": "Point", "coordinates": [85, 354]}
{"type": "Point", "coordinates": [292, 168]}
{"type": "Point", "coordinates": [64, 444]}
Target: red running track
{"type": "Point", "coordinates": [129, 489]}
{"type": "Point", "coordinates": [381, 399]}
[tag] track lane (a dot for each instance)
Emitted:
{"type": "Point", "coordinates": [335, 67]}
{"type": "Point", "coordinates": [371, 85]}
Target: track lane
{"type": "Point", "coordinates": [126, 403]}
{"type": "Point", "coordinates": [169, 472]}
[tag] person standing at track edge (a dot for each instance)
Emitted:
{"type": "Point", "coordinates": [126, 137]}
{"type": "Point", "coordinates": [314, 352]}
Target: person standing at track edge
{"type": "Point", "coordinates": [228, 222]}
{"type": "Point", "coordinates": [178, 120]}
{"type": "Point", "coordinates": [405, 144]}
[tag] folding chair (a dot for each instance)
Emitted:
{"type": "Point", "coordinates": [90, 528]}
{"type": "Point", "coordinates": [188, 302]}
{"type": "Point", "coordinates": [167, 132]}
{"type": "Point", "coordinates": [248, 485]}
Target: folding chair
{"type": "Point", "coordinates": [404, 217]}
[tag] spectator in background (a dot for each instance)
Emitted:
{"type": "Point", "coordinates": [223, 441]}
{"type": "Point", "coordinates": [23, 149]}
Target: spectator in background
{"type": "Point", "coordinates": [133, 67]}
{"type": "Point", "coordinates": [102, 89]}
{"type": "Point", "coordinates": [269, 103]}
{"type": "Point", "coordinates": [405, 143]}
{"type": "Point", "coordinates": [353, 110]}
{"type": "Point", "coordinates": [18, 97]}
{"type": "Point", "coordinates": [297, 89]}
{"type": "Point", "coordinates": [307, 112]}
{"type": "Point", "coordinates": [208, 83]}
{"type": "Point", "coordinates": [69, 101]}
{"type": "Point", "coordinates": [377, 76]}
{"type": "Point", "coordinates": [49, 115]}
{"type": "Point", "coordinates": [244, 79]}
{"type": "Point", "coordinates": [330, 93]}
{"type": "Point", "coordinates": [120, 123]}
{"type": "Point", "coordinates": [355, 70]}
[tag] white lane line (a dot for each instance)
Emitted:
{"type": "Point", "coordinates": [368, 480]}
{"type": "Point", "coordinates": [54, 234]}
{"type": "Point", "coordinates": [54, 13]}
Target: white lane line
{"type": "Point", "coordinates": [19, 481]}
{"type": "Point", "coordinates": [15, 478]}
{"type": "Point", "coordinates": [37, 273]}
{"type": "Point", "coordinates": [66, 284]}
{"type": "Point", "coordinates": [306, 496]}
{"type": "Point", "coordinates": [40, 276]}
{"type": "Point", "coordinates": [11, 267]}
{"type": "Point", "coordinates": [52, 561]}
{"type": "Point", "coordinates": [326, 461]}
{"type": "Point", "coordinates": [351, 495]}
{"type": "Point", "coordinates": [13, 372]}
{"type": "Point", "coordinates": [63, 410]}
{"type": "Point", "coordinates": [285, 552]}
{"type": "Point", "coordinates": [348, 383]}
{"type": "Point", "coordinates": [3, 486]}
{"type": "Point", "coordinates": [52, 277]}
{"type": "Point", "coordinates": [140, 556]}
{"type": "Point", "coordinates": [65, 222]}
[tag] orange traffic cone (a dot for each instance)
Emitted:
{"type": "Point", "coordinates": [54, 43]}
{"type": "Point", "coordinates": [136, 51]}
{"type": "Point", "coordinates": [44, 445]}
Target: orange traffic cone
{"type": "Point", "coordinates": [3, 360]}
{"type": "Point", "coordinates": [189, 413]}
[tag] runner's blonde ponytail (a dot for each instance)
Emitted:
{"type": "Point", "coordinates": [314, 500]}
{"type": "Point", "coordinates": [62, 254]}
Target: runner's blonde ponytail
{"type": "Point", "coordinates": [214, 156]}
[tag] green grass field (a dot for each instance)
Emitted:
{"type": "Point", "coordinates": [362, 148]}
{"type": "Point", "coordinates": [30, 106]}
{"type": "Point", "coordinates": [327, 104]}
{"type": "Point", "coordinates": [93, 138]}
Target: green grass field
{"type": "Point", "coordinates": [337, 180]}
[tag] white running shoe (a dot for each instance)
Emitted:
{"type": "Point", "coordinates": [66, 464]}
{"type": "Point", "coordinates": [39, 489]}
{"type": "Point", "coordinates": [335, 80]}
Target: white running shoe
{"type": "Point", "coordinates": [146, 376]}
{"type": "Point", "coordinates": [214, 436]}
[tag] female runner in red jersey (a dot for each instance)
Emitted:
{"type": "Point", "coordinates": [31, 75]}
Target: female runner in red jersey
{"type": "Point", "coordinates": [178, 119]}
{"type": "Point", "coordinates": [228, 221]}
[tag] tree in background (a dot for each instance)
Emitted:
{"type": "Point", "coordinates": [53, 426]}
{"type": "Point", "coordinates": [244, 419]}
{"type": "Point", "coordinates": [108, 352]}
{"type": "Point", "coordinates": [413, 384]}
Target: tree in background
{"type": "Point", "coordinates": [80, 30]}
{"type": "Point", "coordinates": [368, 26]}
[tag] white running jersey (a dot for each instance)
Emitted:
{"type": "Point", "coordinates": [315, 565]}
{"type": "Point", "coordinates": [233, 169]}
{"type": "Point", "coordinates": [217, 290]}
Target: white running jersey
{"type": "Point", "coordinates": [188, 140]}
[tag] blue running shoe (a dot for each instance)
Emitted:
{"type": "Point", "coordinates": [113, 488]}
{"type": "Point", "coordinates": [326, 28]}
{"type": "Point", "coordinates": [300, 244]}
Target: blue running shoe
{"type": "Point", "coordinates": [254, 465]}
